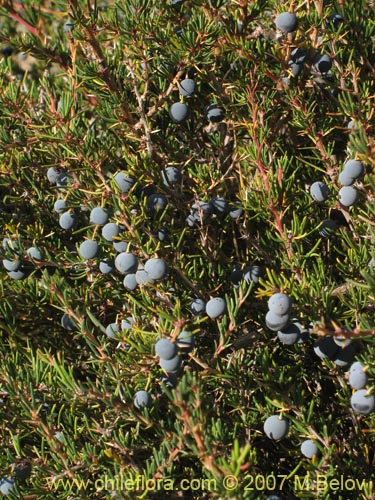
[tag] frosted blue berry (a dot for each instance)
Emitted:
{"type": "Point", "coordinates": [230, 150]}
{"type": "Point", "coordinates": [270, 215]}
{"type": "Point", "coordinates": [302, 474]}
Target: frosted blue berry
{"type": "Point", "coordinates": [6, 485]}
{"type": "Point", "coordinates": [216, 307]}
{"type": "Point", "coordinates": [120, 246]}
{"type": "Point", "coordinates": [346, 355]}
{"type": "Point", "coordinates": [187, 87]}
{"type": "Point", "coordinates": [67, 220]}
{"type": "Point", "coordinates": [34, 253]}
{"type": "Point", "coordinates": [348, 196]}
{"type": "Point", "coordinates": [52, 175]}
{"type": "Point", "coordinates": [143, 278]}
{"type": "Point", "coordinates": [127, 323]}
{"type": "Point", "coordinates": [286, 22]}
{"type": "Point", "coordinates": [354, 168]}
{"type": "Point", "coordinates": [142, 399]}
{"type": "Point", "coordinates": [169, 380]}
{"type": "Point", "coordinates": [279, 303]}
{"type": "Point", "coordinates": [126, 263]}
{"type": "Point", "coordinates": [130, 282]}
{"type": "Point", "coordinates": [59, 206]}
{"type": "Point", "coordinates": [345, 179]}
{"type": "Point", "coordinates": [319, 191]}
{"type": "Point", "coordinates": [276, 322]}
{"type": "Point", "coordinates": [12, 265]}
{"type": "Point", "coordinates": [214, 113]}
{"type": "Point", "coordinates": [63, 179]}
{"type": "Point", "coordinates": [335, 20]}
{"type": "Point", "coordinates": [219, 206]}
{"type": "Point", "coordinates": [110, 231]}
{"type": "Point", "coordinates": [251, 274]}
{"type": "Point", "coordinates": [298, 55]}
{"type": "Point", "coordinates": [112, 330]}
{"type": "Point", "coordinates": [309, 449]}
{"type": "Point", "coordinates": [156, 202]}
{"type": "Point", "coordinates": [99, 216]}
{"type": "Point", "coordinates": [124, 181]}
{"type": "Point", "coordinates": [171, 176]}
{"type": "Point", "coordinates": [295, 68]}
{"type": "Point", "coordinates": [357, 377]}
{"type": "Point", "coordinates": [17, 275]}
{"type": "Point", "coordinates": [68, 322]}
{"type": "Point", "coordinates": [235, 212]}
{"type": "Point", "coordinates": [88, 249]}
{"type": "Point", "coordinates": [197, 306]}
{"type": "Point", "coordinates": [362, 402]}
{"type": "Point", "coordinates": [275, 427]}
{"type": "Point", "coordinates": [322, 63]}
{"type": "Point", "coordinates": [171, 365]}
{"type": "Point", "coordinates": [157, 269]}
{"type": "Point", "coordinates": [162, 234]}
{"type": "Point", "coordinates": [179, 112]}
{"type": "Point", "coordinates": [290, 334]}
{"type": "Point", "coordinates": [106, 266]}
{"type": "Point", "coordinates": [165, 349]}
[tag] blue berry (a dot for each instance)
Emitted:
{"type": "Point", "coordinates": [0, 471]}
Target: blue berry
{"type": "Point", "coordinates": [309, 448]}
{"type": "Point", "coordinates": [276, 322]}
{"type": "Point", "coordinates": [348, 196]}
{"type": "Point", "coordinates": [322, 63]}
{"type": "Point", "coordinates": [68, 322]}
{"type": "Point", "coordinates": [156, 268]}
{"type": "Point", "coordinates": [12, 265]}
{"type": "Point", "coordinates": [67, 220]}
{"type": "Point", "coordinates": [34, 253]}
{"type": "Point", "coordinates": [142, 399]}
{"type": "Point", "coordinates": [59, 206]}
{"type": "Point", "coordinates": [172, 365]}
{"type": "Point", "coordinates": [354, 168]}
{"type": "Point", "coordinates": [120, 246]}
{"type": "Point", "coordinates": [216, 307]}
{"type": "Point", "coordinates": [345, 179]}
{"type": "Point", "coordinates": [88, 249]}
{"type": "Point", "coordinates": [327, 228]}
{"type": "Point", "coordinates": [187, 87]}
{"type": "Point", "coordinates": [165, 349]}
{"type": "Point", "coordinates": [362, 402]}
{"type": "Point", "coordinates": [279, 303]}
{"type": "Point", "coordinates": [319, 191]}
{"type": "Point", "coordinates": [130, 282]}
{"type": "Point", "coordinates": [179, 112]}
{"type": "Point", "coordinates": [6, 485]}
{"type": "Point", "coordinates": [126, 263]}
{"type": "Point", "coordinates": [156, 202]}
{"type": "Point", "coordinates": [112, 330]}
{"type": "Point", "coordinates": [99, 216]}
{"type": "Point", "coordinates": [214, 113]}
{"type": "Point", "coordinates": [124, 182]}
{"type": "Point", "coordinates": [171, 176]}
{"type": "Point", "coordinates": [286, 22]}
{"type": "Point", "coordinates": [275, 427]}
{"type": "Point", "coordinates": [197, 306]}
{"type": "Point", "coordinates": [143, 278]}
{"type": "Point", "coordinates": [106, 266]}
{"type": "Point", "coordinates": [110, 231]}
{"type": "Point", "coordinates": [357, 377]}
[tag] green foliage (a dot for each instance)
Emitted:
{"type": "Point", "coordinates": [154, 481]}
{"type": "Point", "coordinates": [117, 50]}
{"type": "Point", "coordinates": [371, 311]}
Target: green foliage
{"type": "Point", "coordinates": [91, 98]}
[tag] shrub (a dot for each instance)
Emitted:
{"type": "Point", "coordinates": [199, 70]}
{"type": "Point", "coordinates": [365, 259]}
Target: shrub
{"type": "Point", "coordinates": [94, 117]}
